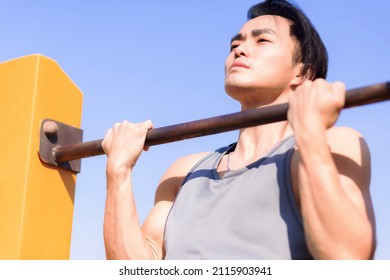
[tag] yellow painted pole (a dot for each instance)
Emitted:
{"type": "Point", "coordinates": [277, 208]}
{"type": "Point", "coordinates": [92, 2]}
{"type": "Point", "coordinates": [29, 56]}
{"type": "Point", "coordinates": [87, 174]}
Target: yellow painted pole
{"type": "Point", "coordinates": [36, 200]}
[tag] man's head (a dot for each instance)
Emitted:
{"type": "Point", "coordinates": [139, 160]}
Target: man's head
{"type": "Point", "coordinates": [310, 49]}
{"type": "Point", "coordinates": [273, 53]}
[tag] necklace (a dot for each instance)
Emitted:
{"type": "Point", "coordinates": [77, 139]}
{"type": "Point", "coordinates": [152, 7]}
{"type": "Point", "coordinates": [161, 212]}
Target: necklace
{"type": "Point", "coordinates": [227, 162]}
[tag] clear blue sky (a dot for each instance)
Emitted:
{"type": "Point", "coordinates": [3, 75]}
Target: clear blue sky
{"type": "Point", "coordinates": [163, 60]}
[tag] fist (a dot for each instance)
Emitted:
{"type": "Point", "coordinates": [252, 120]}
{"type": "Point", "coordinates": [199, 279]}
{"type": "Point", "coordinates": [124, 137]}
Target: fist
{"type": "Point", "coordinates": [124, 143]}
{"type": "Point", "coordinates": [316, 104]}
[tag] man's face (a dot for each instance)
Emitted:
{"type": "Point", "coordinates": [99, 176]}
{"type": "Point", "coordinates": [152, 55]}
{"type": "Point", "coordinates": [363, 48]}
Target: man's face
{"type": "Point", "coordinates": [261, 58]}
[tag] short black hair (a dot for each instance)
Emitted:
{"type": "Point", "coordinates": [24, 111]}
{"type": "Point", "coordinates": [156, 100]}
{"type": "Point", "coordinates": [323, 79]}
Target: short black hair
{"type": "Point", "coordinates": [311, 50]}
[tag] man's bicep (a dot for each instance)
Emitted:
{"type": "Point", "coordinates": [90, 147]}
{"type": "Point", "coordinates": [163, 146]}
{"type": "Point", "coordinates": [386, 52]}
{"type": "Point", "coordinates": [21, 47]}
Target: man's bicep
{"type": "Point", "coordinates": [154, 225]}
{"type": "Point", "coordinates": [352, 158]}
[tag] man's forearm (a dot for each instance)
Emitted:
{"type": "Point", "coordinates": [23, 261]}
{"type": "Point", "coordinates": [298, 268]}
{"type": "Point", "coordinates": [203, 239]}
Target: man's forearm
{"type": "Point", "coordinates": [123, 236]}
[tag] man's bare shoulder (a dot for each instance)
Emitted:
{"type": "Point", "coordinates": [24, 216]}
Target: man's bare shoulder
{"type": "Point", "coordinates": [351, 155]}
{"type": "Point", "coordinates": [346, 140]}
{"type": "Point", "coordinates": [172, 179]}
{"type": "Point", "coordinates": [184, 164]}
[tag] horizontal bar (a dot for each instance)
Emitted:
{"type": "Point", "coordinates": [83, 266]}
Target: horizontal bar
{"type": "Point", "coordinates": [219, 124]}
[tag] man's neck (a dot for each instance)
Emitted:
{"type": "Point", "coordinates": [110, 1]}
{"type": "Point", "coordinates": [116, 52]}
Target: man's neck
{"type": "Point", "coordinates": [256, 141]}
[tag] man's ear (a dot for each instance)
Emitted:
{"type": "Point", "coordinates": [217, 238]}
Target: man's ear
{"type": "Point", "coordinates": [299, 78]}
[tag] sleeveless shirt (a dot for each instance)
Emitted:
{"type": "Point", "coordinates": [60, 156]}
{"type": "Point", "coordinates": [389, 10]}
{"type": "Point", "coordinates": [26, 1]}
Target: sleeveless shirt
{"type": "Point", "coordinates": [249, 213]}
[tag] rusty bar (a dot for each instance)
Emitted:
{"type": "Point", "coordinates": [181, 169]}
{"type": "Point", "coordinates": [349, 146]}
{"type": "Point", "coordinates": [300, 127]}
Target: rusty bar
{"type": "Point", "coordinates": [224, 123]}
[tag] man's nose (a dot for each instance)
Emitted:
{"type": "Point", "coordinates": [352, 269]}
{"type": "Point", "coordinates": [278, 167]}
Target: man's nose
{"type": "Point", "coordinates": [241, 50]}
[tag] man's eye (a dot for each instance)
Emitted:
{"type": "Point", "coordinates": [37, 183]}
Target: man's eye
{"type": "Point", "coordinates": [262, 40]}
{"type": "Point", "coordinates": [233, 47]}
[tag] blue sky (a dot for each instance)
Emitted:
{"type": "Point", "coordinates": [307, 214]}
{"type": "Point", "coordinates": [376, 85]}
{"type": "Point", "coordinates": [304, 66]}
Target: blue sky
{"type": "Point", "coordinates": [163, 60]}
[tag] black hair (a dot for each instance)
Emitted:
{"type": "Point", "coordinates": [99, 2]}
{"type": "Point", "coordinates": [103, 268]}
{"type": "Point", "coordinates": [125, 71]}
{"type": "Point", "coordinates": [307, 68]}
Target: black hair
{"type": "Point", "coordinates": [311, 51]}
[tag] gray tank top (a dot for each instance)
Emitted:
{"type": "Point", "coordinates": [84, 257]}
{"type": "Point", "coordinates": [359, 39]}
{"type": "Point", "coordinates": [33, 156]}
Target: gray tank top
{"type": "Point", "coordinates": [250, 213]}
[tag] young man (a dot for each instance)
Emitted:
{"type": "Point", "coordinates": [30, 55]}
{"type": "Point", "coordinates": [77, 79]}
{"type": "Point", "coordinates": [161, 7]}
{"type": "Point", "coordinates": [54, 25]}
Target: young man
{"type": "Point", "coordinates": [297, 189]}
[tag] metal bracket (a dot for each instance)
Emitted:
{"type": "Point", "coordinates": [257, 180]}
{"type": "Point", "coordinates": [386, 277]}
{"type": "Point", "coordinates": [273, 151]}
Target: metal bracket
{"type": "Point", "coordinates": [54, 134]}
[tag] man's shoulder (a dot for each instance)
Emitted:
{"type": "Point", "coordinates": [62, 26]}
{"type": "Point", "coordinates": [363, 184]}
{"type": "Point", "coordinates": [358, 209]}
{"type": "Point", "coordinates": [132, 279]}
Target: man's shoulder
{"type": "Point", "coordinates": [348, 145]}
{"type": "Point", "coordinates": [337, 131]}
{"type": "Point", "coordinates": [189, 161]}
{"type": "Point", "coordinates": [181, 166]}
{"type": "Point", "coordinates": [342, 138]}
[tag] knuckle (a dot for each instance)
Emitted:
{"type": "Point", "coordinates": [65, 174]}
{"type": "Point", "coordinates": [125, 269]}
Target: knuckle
{"type": "Point", "coordinates": [149, 124]}
{"type": "Point", "coordinates": [339, 85]}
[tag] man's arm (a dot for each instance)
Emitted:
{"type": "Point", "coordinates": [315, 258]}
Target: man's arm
{"type": "Point", "coordinates": [331, 171]}
{"type": "Point", "coordinates": [154, 225]}
{"type": "Point", "coordinates": [124, 237]}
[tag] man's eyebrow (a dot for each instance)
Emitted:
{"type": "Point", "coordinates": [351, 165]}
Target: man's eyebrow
{"type": "Point", "coordinates": [237, 37]}
{"type": "Point", "coordinates": [255, 33]}
{"type": "Point", "coordinates": [258, 32]}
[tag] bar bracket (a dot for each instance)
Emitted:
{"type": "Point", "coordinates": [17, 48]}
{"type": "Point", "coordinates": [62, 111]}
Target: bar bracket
{"type": "Point", "coordinates": [54, 134]}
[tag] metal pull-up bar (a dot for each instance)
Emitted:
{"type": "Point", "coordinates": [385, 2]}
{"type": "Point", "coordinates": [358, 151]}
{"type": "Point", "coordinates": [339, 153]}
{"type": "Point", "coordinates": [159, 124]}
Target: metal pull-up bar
{"type": "Point", "coordinates": [60, 154]}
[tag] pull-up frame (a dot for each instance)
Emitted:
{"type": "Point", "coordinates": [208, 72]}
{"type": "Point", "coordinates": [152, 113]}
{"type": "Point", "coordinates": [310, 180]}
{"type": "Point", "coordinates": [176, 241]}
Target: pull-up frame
{"type": "Point", "coordinates": [36, 196]}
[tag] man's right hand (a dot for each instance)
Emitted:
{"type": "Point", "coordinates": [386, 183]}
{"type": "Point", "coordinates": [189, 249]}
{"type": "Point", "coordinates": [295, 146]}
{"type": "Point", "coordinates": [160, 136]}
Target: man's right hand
{"type": "Point", "coordinates": [124, 142]}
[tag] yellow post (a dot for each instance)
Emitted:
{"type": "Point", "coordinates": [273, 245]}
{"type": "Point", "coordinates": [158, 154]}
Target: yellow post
{"type": "Point", "coordinates": [36, 200]}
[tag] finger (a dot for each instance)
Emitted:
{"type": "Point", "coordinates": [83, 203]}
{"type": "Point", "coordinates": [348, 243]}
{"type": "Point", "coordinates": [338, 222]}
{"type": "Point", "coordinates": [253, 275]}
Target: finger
{"type": "Point", "coordinates": [339, 86]}
{"type": "Point", "coordinates": [107, 141]}
{"type": "Point", "coordinates": [116, 125]}
{"type": "Point", "coordinates": [125, 123]}
{"type": "Point", "coordinates": [339, 90]}
{"type": "Point", "coordinates": [148, 124]}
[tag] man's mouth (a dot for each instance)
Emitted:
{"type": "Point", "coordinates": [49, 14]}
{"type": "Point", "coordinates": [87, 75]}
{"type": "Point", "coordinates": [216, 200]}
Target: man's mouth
{"type": "Point", "coordinates": [239, 63]}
